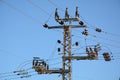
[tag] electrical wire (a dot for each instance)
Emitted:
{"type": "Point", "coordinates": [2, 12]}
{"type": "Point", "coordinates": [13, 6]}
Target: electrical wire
{"type": "Point", "coordinates": [78, 49]}
{"type": "Point", "coordinates": [11, 78]}
{"type": "Point", "coordinates": [7, 52]}
{"type": "Point", "coordinates": [94, 36]}
{"type": "Point", "coordinates": [56, 63]}
{"type": "Point", "coordinates": [118, 35]}
{"type": "Point", "coordinates": [23, 63]}
{"type": "Point", "coordinates": [57, 77]}
{"type": "Point", "coordinates": [20, 11]}
{"type": "Point", "coordinates": [55, 5]}
{"type": "Point", "coordinates": [35, 5]}
{"type": "Point", "coordinates": [105, 32]}
{"type": "Point", "coordinates": [104, 38]}
{"type": "Point", "coordinates": [5, 73]}
{"type": "Point", "coordinates": [48, 20]}
{"type": "Point", "coordinates": [17, 74]}
{"type": "Point", "coordinates": [11, 75]}
{"type": "Point", "coordinates": [117, 46]}
{"type": "Point", "coordinates": [53, 52]}
{"type": "Point", "coordinates": [53, 59]}
{"type": "Point", "coordinates": [20, 77]}
{"type": "Point", "coordinates": [94, 28]}
{"type": "Point", "coordinates": [112, 57]}
{"type": "Point", "coordinates": [108, 50]}
{"type": "Point", "coordinates": [43, 10]}
{"type": "Point", "coordinates": [109, 44]}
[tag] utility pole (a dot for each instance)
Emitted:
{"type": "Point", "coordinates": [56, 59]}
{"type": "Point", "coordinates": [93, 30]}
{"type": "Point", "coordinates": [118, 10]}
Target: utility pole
{"type": "Point", "coordinates": [41, 67]}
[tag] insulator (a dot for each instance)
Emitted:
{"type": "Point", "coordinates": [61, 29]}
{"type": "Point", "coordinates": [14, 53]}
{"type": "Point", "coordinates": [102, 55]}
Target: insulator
{"type": "Point", "coordinates": [87, 50]}
{"type": "Point", "coordinates": [22, 70]}
{"type": "Point", "coordinates": [36, 58]}
{"type": "Point", "coordinates": [61, 22]}
{"type": "Point", "coordinates": [91, 50]}
{"type": "Point", "coordinates": [33, 62]}
{"type": "Point", "coordinates": [45, 25]}
{"type": "Point", "coordinates": [106, 56]}
{"type": "Point", "coordinates": [76, 13]}
{"type": "Point", "coordinates": [47, 67]}
{"type": "Point", "coordinates": [76, 43]}
{"type": "Point", "coordinates": [85, 32]}
{"type": "Point", "coordinates": [25, 76]}
{"type": "Point", "coordinates": [81, 23]}
{"type": "Point", "coordinates": [56, 14]}
{"type": "Point", "coordinates": [98, 30]}
{"type": "Point", "coordinates": [59, 41]}
{"type": "Point", "coordinates": [66, 13]}
{"type": "Point", "coordinates": [23, 73]}
{"type": "Point", "coordinates": [95, 49]}
{"type": "Point", "coordinates": [59, 49]}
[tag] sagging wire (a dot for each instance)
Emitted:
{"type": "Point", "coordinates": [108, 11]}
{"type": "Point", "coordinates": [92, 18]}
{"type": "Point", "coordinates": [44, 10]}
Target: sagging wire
{"type": "Point", "coordinates": [22, 66]}
{"type": "Point", "coordinates": [35, 5]}
{"type": "Point", "coordinates": [50, 15]}
{"type": "Point", "coordinates": [22, 73]}
{"type": "Point", "coordinates": [23, 63]}
{"type": "Point", "coordinates": [53, 52]}
{"type": "Point", "coordinates": [49, 18]}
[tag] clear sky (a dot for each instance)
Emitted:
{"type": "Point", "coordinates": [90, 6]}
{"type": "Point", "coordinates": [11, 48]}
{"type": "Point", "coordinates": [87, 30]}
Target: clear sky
{"type": "Point", "coordinates": [23, 37]}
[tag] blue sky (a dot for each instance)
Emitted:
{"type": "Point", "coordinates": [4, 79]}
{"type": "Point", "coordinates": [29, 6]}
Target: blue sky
{"type": "Point", "coordinates": [23, 37]}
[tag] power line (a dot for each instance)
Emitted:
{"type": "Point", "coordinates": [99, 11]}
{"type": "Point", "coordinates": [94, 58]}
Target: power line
{"type": "Point", "coordinates": [6, 73]}
{"type": "Point", "coordinates": [67, 47]}
{"type": "Point", "coordinates": [109, 44]}
{"type": "Point", "coordinates": [53, 52]}
{"type": "Point", "coordinates": [103, 38]}
{"type": "Point", "coordinates": [94, 28]}
{"type": "Point", "coordinates": [43, 10]}
{"type": "Point", "coordinates": [55, 5]}
{"type": "Point", "coordinates": [10, 53]}
{"type": "Point", "coordinates": [35, 5]}
{"type": "Point", "coordinates": [20, 11]}
{"type": "Point", "coordinates": [23, 63]}
{"type": "Point", "coordinates": [56, 63]}
{"type": "Point", "coordinates": [49, 59]}
{"type": "Point", "coordinates": [25, 73]}
{"type": "Point", "coordinates": [93, 35]}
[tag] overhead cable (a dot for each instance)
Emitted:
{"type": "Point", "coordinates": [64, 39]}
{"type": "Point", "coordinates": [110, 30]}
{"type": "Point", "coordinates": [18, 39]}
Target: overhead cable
{"type": "Point", "coordinates": [20, 11]}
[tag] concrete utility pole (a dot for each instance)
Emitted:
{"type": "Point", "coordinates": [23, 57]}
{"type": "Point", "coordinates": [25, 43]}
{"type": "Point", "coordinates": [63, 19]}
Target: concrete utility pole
{"type": "Point", "coordinates": [66, 71]}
